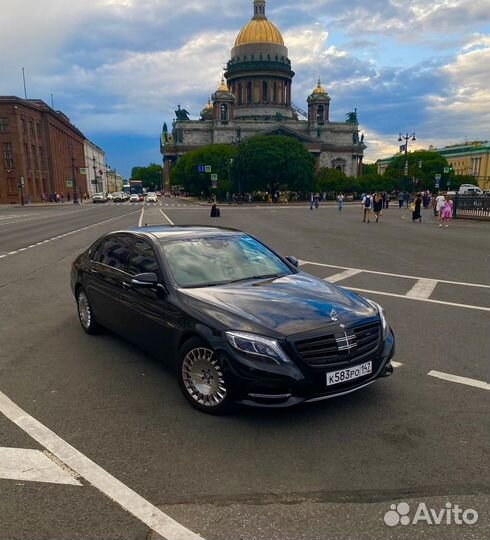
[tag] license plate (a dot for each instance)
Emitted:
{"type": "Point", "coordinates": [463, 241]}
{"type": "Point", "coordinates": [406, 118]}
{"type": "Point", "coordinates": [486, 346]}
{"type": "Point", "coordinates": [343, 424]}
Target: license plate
{"type": "Point", "coordinates": [350, 373]}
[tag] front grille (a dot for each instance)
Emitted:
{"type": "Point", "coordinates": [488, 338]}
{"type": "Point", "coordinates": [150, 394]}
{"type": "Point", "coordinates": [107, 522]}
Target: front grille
{"type": "Point", "coordinates": [352, 344]}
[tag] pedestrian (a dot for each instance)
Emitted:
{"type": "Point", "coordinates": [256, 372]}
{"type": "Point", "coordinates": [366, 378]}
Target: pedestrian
{"type": "Point", "coordinates": [416, 206]}
{"type": "Point", "coordinates": [317, 200]}
{"type": "Point", "coordinates": [340, 201]}
{"type": "Point", "coordinates": [68, 197]}
{"type": "Point", "coordinates": [378, 206]}
{"type": "Point", "coordinates": [401, 197]}
{"type": "Point", "coordinates": [62, 198]}
{"type": "Point", "coordinates": [446, 213]}
{"type": "Point", "coordinates": [387, 200]}
{"type": "Point", "coordinates": [367, 204]}
{"type": "Point", "coordinates": [215, 211]}
{"type": "Point", "coordinates": [439, 205]}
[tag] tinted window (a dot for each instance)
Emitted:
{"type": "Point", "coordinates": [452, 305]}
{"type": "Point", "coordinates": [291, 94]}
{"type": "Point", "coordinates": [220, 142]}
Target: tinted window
{"type": "Point", "coordinates": [143, 259]}
{"type": "Point", "coordinates": [213, 260]}
{"type": "Point", "coordinates": [114, 251]}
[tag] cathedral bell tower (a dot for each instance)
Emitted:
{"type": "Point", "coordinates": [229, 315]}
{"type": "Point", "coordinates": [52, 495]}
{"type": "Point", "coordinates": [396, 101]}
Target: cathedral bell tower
{"type": "Point", "coordinates": [223, 104]}
{"type": "Point", "coordinates": [318, 107]}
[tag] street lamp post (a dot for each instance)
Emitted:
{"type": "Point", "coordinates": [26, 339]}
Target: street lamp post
{"type": "Point", "coordinates": [74, 176]}
{"type": "Point", "coordinates": [406, 138]}
{"type": "Point", "coordinates": [95, 173]}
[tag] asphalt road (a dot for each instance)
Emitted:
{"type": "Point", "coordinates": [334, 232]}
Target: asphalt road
{"type": "Point", "coordinates": [329, 470]}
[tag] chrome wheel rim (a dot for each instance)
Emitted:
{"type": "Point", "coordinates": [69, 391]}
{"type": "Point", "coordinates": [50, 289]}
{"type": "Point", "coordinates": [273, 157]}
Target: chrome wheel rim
{"type": "Point", "coordinates": [203, 377]}
{"type": "Point", "coordinates": [84, 310]}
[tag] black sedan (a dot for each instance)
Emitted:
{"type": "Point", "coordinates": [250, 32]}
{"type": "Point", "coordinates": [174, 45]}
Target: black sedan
{"type": "Point", "coordinates": [239, 322]}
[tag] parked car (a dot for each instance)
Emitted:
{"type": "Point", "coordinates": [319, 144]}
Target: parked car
{"type": "Point", "coordinates": [238, 321]}
{"type": "Point", "coordinates": [134, 198]}
{"type": "Point", "coordinates": [118, 197]}
{"type": "Point", "coordinates": [151, 197]}
{"type": "Point", "coordinates": [109, 196]}
{"type": "Point", "coordinates": [99, 198]}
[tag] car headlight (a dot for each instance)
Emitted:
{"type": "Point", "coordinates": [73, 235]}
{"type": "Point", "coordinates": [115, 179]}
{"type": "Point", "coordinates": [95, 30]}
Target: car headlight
{"type": "Point", "coordinates": [266, 348]}
{"type": "Point", "coordinates": [382, 316]}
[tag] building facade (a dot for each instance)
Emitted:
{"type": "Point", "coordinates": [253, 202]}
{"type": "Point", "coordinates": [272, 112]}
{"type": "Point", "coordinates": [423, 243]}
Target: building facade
{"type": "Point", "coordinates": [95, 167]}
{"type": "Point", "coordinates": [471, 159]}
{"type": "Point", "coordinates": [114, 181]}
{"type": "Point", "coordinates": [40, 150]}
{"type": "Point", "coordinates": [255, 98]}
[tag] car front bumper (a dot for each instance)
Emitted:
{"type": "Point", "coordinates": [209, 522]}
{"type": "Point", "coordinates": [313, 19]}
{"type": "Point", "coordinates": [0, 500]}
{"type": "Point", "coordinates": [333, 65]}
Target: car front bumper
{"type": "Point", "coordinates": [258, 384]}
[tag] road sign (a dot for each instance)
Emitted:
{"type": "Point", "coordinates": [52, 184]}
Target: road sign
{"type": "Point", "coordinates": [214, 178]}
{"type": "Point", "coordinates": [201, 168]}
{"type": "Point", "coordinates": [214, 184]}
{"type": "Point", "coordinates": [83, 170]}
{"type": "Point", "coordinates": [405, 172]}
{"type": "Point", "coordinates": [69, 183]}
{"type": "Point", "coordinates": [22, 181]}
{"type": "Point", "coordinates": [420, 164]}
{"type": "Point", "coordinates": [446, 170]}
{"type": "Point", "coordinates": [437, 185]}
{"type": "Point", "coordinates": [438, 177]}
{"type": "Point", "coordinates": [207, 168]}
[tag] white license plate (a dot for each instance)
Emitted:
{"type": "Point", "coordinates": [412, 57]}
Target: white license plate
{"type": "Point", "coordinates": [350, 373]}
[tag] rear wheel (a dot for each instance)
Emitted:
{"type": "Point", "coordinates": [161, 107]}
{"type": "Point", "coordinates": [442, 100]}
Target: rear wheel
{"type": "Point", "coordinates": [85, 313]}
{"type": "Point", "coordinates": [202, 378]}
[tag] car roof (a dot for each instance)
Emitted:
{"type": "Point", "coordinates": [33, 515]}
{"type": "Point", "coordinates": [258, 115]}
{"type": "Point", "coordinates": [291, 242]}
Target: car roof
{"type": "Point", "coordinates": [169, 232]}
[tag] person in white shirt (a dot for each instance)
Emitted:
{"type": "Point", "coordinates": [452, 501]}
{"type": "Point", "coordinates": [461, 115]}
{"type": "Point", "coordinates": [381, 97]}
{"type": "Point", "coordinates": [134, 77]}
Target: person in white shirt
{"type": "Point", "coordinates": [439, 205]}
{"type": "Point", "coordinates": [367, 205]}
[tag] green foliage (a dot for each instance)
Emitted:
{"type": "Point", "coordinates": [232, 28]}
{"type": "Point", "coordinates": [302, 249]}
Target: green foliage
{"type": "Point", "coordinates": [432, 163]}
{"type": "Point", "coordinates": [332, 180]}
{"type": "Point", "coordinates": [186, 175]}
{"type": "Point", "coordinates": [151, 176]}
{"type": "Point", "coordinates": [273, 162]}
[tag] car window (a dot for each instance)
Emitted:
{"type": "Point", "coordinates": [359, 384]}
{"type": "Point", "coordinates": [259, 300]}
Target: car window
{"type": "Point", "coordinates": [220, 260]}
{"type": "Point", "coordinates": [143, 259]}
{"type": "Point", "coordinates": [114, 252]}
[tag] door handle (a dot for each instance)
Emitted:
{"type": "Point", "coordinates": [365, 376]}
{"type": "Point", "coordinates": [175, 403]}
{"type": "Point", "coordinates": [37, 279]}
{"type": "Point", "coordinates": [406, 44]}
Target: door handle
{"type": "Point", "coordinates": [126, 285]}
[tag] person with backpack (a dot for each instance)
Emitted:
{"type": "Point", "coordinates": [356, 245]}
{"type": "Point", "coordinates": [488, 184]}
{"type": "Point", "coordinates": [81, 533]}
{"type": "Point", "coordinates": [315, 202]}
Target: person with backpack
{"type": "Point", "coordinates": [378, 206]}
{"type": "Point", "coordinates": [367, 205]}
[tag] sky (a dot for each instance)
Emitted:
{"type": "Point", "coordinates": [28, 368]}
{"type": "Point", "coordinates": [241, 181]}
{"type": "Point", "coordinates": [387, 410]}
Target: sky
{"type": "Point", "coordinates": [119, 68]}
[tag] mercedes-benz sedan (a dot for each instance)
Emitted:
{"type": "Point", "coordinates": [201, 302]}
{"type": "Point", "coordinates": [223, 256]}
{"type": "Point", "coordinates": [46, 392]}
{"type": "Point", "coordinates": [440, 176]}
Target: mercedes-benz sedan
{"type": "Point", "coordinates": [239, 322]}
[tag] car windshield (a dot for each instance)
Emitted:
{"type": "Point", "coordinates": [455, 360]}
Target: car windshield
{"type": "Point", "coordinates": [204, 262]}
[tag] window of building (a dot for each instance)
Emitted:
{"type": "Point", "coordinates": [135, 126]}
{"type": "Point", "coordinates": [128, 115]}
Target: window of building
{"type": "Point", "coordinates": [28, 156]}
{"type": "Point", "coordinates": [320, 113]}
{"type": "Point", "coordinates": [224, 112]}
{"type": "Point", "coordinates": [42, 158]}
{"type": "Point", "coordinates": [265, 92]}
{"type": "Point", "coordinates": [34, 155]}
{"type": "Point", "coordinates": [23, 124]}
{"type": "Point", "coordinates": [240, 95]}
{"type": "Point", "coordinates": [143, 259]}
{"type": "Point", "coordinates": [4, 125]}
{"type": "Point", "coordinates": [31, 128]}
{"type": "Point", "coordinates": [249, 93]}
{"type": "Point", "coordinates": [38, 130]}
{"type": "Point", "coordinates": [274, 93]}
{"type": "Point", "coordinates": [114, 252]}
{"type": "Point", "coordinates": [8, 156]}
{"type": "Point", "coordinates": [11, 186]}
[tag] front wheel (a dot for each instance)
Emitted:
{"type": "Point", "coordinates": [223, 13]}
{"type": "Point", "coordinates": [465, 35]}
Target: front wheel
{"type": "Point", "coordinates": [85, 313]}
{"type": "Point", "coordinates": [202, 379]}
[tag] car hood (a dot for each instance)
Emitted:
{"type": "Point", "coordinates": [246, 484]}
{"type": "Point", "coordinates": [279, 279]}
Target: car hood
{"type": "Point", "coordinates": [284, 306]}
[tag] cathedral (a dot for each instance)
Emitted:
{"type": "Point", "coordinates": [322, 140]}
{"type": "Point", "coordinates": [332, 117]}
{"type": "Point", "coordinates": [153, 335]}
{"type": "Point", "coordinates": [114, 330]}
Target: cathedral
{"type": "Point", "coordinates": [254, 98]}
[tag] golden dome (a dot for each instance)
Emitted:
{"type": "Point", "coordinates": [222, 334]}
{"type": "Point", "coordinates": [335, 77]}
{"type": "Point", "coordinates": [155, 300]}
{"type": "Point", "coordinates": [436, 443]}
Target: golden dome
{"type": "Point", "coordinates": [259, 31]}
{"type": "Point", "coordinates": [209, 106]}
{"type": "Point", "coordinates": [222, 87]}
{"type": "Point", "coordinates": [319, 89]}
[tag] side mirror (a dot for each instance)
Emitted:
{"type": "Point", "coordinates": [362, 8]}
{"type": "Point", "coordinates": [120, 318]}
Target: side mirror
{"type": "Point", "coordinates": [147, 280]}
{"type": "Point", "coordinates": [293, 260]}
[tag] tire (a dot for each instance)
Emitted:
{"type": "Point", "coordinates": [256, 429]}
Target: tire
{"type": "Point", "coordinates": [202, 379]}
{"type": "Point", "coordinates": [85, 313]}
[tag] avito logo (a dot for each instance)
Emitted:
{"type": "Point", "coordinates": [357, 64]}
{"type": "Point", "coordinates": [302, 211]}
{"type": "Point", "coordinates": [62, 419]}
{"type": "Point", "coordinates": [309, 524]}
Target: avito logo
{"type": "Point", "coordinates": [399, 514]}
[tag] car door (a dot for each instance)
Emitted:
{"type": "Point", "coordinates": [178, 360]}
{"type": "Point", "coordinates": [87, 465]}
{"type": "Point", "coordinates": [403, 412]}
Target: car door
{"type": "Point", "coordinates": [151, 312]}
{"type": "Point", "coordinates": [107, 273]}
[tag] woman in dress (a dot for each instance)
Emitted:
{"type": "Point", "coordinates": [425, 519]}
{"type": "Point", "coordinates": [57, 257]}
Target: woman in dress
{"type": "Point", "coordinates": [417, 203]}
{"type": "Point", "coordinates": [446, 213]}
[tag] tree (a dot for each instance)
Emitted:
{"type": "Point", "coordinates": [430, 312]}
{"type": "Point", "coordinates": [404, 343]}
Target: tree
{"type": "Point", "coordinates": [331, 180]}
{"type": "Point", "coordinates": [273, 162]}
{"type": "Point", "coordinates": [187, 176]}
{"type": "Point", "coordinates": [151, 176]}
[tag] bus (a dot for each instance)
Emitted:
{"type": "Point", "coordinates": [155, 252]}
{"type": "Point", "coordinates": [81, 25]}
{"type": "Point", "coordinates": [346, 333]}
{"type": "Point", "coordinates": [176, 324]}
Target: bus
{"type": "Point", "coordinates": [136, 186]}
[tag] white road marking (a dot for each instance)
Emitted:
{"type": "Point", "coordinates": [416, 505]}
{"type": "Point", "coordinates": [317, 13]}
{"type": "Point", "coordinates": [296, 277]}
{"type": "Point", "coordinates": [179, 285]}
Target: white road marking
{"type": "Point", "coordinates": [460, 380]}
{"type": "Point", "coordinates": [32, 466]}
{"type": "Point", "coordinates": [67, 234]}
{"type": "Point", "coordinates": [396, 364]}
{"type": "Point", "coordinates": [342, 275]}
{"type": "Point", "coordinates": [422, 289]}
{"type": "Point", "coordinates": [454, 304]}
{"type": "Point", "coordinates": [395, 275]}
{"type": "Point", "coordinates": [96, 475]}
{"type": "Point", "coordinates": [167, 218]}
{"type": "Point", "coordinates": [140, 221]}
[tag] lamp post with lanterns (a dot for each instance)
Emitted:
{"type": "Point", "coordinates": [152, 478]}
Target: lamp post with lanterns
{"type": "Point", "coordinates": [406, 138]}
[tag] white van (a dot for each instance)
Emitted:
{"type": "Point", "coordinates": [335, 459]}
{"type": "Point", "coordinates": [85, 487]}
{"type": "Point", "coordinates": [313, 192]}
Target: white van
{"type": "Point", "coordinates": [469, 189]}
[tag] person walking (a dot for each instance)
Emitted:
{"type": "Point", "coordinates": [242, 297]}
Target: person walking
{"type": "Point", "coordinates": [378, 206]}
{"type": "Point", "coordinates": [340, 201]}
{"type": "Point", "coordinates": [446, 213]}
{"type": "Point", "coordinates": [367, 205]}
{"type": "Point", "coordinates": [416, 209]}
{"type": "Point", "coordinates": [387, 201]}
{"type": "Point", "coordinates": [401, 197]}
{"type": "Point", "coordinates": [439, 205]}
